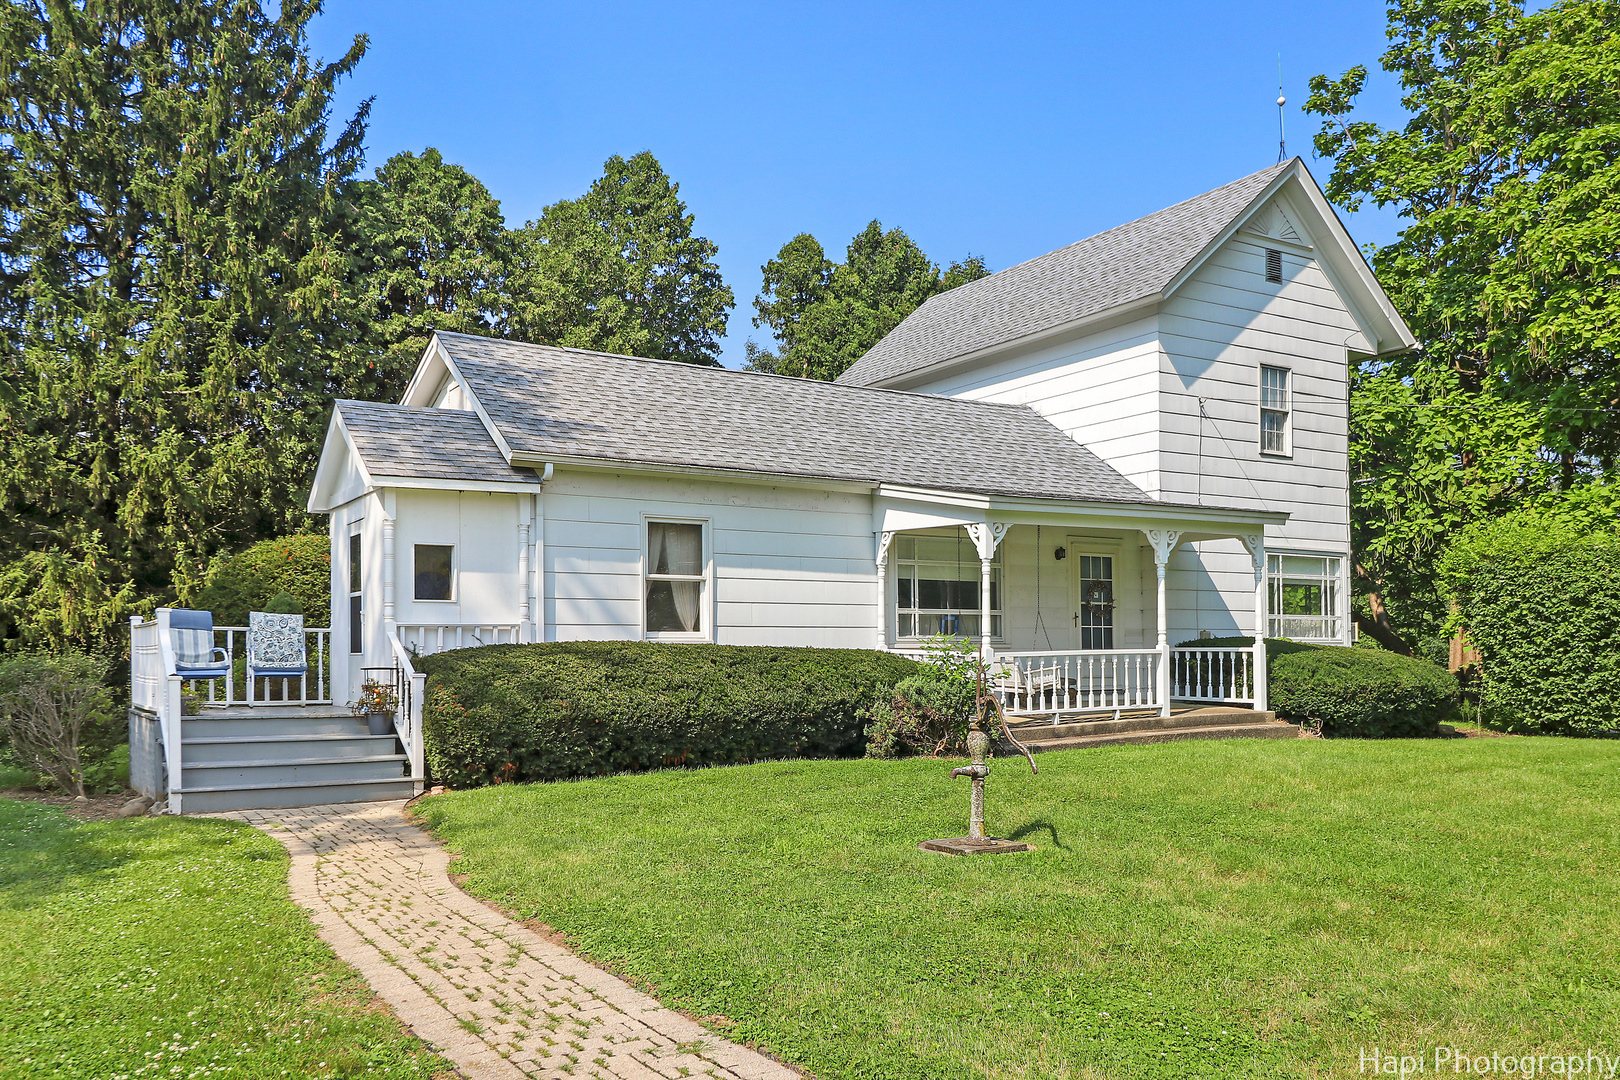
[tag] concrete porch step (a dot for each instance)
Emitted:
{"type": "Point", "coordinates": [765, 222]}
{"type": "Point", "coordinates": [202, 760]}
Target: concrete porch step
{"type": "Point", "coordinates": [281, 773]}
{"type": "Point", "coordinates": [210, 800]}
{"type": "Point", "coordinates": [1270, 729]}
{"type": "Point", "coordinates": [297, 747]}
{"type": "Point", "coordinates": [1045, 730]}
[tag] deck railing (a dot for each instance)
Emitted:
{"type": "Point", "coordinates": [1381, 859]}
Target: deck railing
{"type": "Point", "coordinates": [1073, 682]}
{"type": "Point", "coordinates": [238, 689]}
{"type": "Point", "coordinates": [425, 639]}
{"type": "Point", "coordinates": [1221, 676]}
{"type": "Point", "coordinates": [155, 691]}
{"type": "Point", "coordinates": [410, 687]}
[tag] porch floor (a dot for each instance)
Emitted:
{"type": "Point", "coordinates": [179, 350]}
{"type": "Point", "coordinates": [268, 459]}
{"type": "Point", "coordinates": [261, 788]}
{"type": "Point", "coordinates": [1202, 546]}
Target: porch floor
{"type": "Point", "coordinates": [1186, 721]}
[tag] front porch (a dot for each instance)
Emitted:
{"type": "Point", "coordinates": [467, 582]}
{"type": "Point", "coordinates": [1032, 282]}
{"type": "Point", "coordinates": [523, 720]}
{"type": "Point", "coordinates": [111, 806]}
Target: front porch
{"type": "Point", "coordinates": [1080, 611]}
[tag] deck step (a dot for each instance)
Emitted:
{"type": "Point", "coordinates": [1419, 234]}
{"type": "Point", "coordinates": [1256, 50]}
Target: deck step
{"type": "Point", "coordinates": [210, 800]}
{"type": "Point", "coordinates": [1045, 730]}
{"type": "Point", "coordinates": [301, 747]}
{"type": "Point", "coordinates": [309, 723]}
{"type": "Point", "coordinates": [269, 771]}
{"type": "Point", "coordinates": [1271, 729]}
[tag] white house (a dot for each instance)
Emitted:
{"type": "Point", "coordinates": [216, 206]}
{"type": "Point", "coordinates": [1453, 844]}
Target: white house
{"type": "Point", "coordinates": [1082, 461]}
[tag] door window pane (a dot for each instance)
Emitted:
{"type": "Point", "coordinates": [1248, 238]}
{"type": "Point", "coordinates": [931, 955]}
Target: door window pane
{"type": "Point", "coordinates": [1096, 615]}
{"type": "Point", "coordinates": [433, 567]}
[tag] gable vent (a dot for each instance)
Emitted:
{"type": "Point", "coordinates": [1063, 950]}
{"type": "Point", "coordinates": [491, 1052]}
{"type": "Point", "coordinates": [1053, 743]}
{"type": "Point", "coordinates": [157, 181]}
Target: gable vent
{"type": "Point", "coordinates": [1273, 265]}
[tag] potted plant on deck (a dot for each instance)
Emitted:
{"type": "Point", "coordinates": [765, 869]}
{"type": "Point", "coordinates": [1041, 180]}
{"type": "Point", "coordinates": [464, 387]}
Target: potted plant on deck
{"type": "Point", "coordinates": [376, 703]}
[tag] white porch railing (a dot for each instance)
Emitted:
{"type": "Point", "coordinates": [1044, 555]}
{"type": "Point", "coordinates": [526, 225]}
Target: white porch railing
{"type": "Point", "coordinates": [1223, 676]}
{"type": "Point", "coordinates": [425, 639]}
{"type": "Point", "coordinates": [153, 689]}
{"type": "Point", "coordinates": [410, 687]}
{"type": "Point", "coordinates": [1075, 682]}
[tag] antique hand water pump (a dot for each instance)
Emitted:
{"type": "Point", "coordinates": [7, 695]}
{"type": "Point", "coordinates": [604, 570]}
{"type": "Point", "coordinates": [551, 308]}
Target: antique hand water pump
{"type": "Point", "coordinates": [978, 747]}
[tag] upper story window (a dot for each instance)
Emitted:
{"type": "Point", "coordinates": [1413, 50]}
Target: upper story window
{"type": "Point", "coordinates": [676, 579]}
{"type": "Point", "coordinates": [1274, 266]}
{"type": "Point", "coordinates": [937, 587]}
{"type": "Point", "coordinates": [1304, 596]}
{"type": "Point", "coordinates": [1275, 407]}
{"type": "Point", "coordinates": [434, 566]}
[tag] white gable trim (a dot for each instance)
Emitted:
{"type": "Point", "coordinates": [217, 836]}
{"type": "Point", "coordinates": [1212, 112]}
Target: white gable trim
{"type": "Point", "coordinates": [337, 448]}
{"type": "Point", "coordinates": [1335, 251]}
{"type": "Point", "coordinates": [435, 357]}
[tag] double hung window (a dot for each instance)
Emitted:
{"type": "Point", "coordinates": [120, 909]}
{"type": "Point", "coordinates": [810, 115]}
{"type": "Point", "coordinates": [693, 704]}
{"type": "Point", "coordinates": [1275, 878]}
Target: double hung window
{"type": "Point", "coordinates": [1274, 410]}
{"type": "Point", "coordinates": [676, 579]}
{"type": "Point", "coordinates": [355, 622]}
{"type": "Point", "coordinates": [1304, 597]}
{"type": "Point", "coordinates": [937, 587]}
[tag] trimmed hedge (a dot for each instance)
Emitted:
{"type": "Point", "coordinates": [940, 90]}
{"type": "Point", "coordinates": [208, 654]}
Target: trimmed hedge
{"type": "Point", "coordinates": [251, 580]}
{"type": "Point", "coordinates": [1352, 693]}
{"type": "Point", "coordinates": [566, 709]}
{"type": "Point", "coordinates": [1538, 596]}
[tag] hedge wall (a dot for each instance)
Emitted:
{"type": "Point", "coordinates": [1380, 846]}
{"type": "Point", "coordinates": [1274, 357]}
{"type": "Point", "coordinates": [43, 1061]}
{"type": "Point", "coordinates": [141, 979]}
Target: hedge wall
{"type": "Point", "coordinates": [1352, 693]}
{"type": "Point", "coordinates": [248, 581]}
{"type": "Point", "coordinates": [1539, 598]}
{"type": "Point", "coordinates": [566, 709]}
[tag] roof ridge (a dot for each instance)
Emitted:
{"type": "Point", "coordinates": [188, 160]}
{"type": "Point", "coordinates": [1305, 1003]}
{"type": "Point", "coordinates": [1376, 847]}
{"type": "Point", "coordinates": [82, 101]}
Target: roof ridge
{"type": "Point", "coordinates": [721, 369]}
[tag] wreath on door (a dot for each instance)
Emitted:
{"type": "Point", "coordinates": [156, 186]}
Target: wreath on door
{"type": "Point", "coordinates": [1098, 599]}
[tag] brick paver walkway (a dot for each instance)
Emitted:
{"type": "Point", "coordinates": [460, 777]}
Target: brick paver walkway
{"type": "Point", "coordinates": [494, 997]}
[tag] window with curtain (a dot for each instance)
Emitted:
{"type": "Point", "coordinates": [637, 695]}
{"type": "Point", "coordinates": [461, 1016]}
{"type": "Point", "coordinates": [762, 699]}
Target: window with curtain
{"type": "Point", "coordinates": [1304, 596]}
{"type": "Point", "coordinates": [675, 578]}
{"type": "Point", "coordinates": [937, 587]}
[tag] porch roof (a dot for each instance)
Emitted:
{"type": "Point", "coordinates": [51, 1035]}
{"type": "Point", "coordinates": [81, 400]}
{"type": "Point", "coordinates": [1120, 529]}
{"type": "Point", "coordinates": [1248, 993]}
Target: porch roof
{"type": "Point", "coordinates": [426, 444]}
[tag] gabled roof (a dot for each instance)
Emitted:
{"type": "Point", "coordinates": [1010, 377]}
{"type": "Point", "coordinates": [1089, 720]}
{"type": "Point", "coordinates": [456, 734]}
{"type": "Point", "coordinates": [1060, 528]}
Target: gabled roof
{"type": "Point", "coordinates": [426, 444]}
{"type": "Point", "coordinates": [1135, 262]}
{"type": "Point", "coordinates": [553, 404]}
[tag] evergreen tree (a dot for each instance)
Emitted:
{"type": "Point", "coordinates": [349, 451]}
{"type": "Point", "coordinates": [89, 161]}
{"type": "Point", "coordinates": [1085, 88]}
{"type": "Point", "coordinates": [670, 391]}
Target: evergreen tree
{"type": "Point", "coordinates": [824, 316]}
{"type": "Point", "coordinates": [175, 222]}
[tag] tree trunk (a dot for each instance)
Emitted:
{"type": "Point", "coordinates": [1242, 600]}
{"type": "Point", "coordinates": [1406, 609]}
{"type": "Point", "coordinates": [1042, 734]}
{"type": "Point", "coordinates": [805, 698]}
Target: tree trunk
{"type": "Point", "coordinates": [1378, 628]}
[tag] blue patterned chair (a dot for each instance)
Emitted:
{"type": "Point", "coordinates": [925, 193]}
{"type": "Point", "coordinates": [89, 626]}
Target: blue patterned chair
{"type": "Point", "coordinates": [195, 656]}
{"type": "Point", "coordinates": [275, 646]}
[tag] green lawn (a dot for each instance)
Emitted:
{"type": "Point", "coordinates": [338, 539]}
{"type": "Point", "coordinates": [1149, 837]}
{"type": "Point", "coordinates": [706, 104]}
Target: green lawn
{"type": "Point", "coordinates": [167, 947]}
{"type": "Point", "coordinates": [1193, 909]}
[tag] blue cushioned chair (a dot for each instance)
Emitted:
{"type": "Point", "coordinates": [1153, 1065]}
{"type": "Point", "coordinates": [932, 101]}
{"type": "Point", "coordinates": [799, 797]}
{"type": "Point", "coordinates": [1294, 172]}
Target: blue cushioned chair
{"type": "Point", "coordinates": [194, 650]}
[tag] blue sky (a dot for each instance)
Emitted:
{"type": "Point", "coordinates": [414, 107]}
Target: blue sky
{"type": "Point", "coordinates": [999, 130]}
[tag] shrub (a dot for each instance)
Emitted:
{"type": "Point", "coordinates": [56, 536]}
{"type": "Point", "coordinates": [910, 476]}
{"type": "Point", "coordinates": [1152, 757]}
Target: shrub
{"type": "Point", "coordinates": [1538, 595]}
{"type": "Point", "coordinates": [54, 707]}
{"type": "Point", "coordinates": [1352, 693]}
{"type": "Point", "coordinates": [251, 580]}
{"type": "Point", "coordinates": [566, 709]}
{"type": "Point", "coordinates": [928, 712]}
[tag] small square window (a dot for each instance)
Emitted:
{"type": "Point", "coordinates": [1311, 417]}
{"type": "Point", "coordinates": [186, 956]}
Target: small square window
{"type": "Point", "coordinates": [434, 569]}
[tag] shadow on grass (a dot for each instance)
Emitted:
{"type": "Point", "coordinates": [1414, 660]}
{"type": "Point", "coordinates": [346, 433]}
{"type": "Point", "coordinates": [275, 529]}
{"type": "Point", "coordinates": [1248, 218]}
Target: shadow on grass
{"type": "Point", "coordinates": [1037, 826]}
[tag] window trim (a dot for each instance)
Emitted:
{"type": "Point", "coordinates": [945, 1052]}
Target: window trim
{"type": "Point", "coordinates": [914, 640]}
{"type": "Point", "coordinates": [1286, 412]}
{"type": "Point", "coordinates": [706, 603]}
{"type": "Point", "coordinates": [1339, 613]}
{"type": "Point", "coordinates": [455, 567]}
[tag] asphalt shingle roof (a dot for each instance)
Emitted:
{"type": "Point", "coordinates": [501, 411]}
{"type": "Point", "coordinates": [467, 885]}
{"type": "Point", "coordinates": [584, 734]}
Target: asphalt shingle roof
{"type": "Point", "coordinates": [1128, 263]}
{"type": "Point", "coordinates": [550, 402]}
{"type": "Point", "coordinates": [429, 444]}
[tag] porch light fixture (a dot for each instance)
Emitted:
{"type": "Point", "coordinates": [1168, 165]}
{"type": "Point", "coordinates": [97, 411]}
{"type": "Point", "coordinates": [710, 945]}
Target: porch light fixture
{"type": "Point", "coordinates": [1060, 554]}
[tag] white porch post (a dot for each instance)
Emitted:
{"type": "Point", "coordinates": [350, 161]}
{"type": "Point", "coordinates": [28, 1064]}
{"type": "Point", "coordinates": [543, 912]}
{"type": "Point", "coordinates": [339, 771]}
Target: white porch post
{"type": "Point", "coordinates": [1164, 543]}
{"type": "Point", "coordinates": [987, 536]}
{"type": "Point", "coordinates": [884, 539]}
{"type": "Point", "coordinates": [389, 625]}
{"type": "Point", "coordinates": [523, 570]}
{"type": "Point", "coordinates": [1256, 543]}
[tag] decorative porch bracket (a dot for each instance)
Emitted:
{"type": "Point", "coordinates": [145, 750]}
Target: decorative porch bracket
{"type": "Point", "coordinates": [1256, 543]}
{"type": "Point", "coordinates": [884, 539]}
{"type": "Point", "coordinates": [1163, 542]}
{"type": "Point", "coordinates": [987, 537]}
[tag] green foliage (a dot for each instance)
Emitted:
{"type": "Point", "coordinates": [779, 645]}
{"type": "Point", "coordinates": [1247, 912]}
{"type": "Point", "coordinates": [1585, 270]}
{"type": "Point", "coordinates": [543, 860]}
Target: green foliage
{"type": "Point", "coordinates": [1142, 938]}
{"type": "Point", "coordinates": [297, 567]}
{"type": "Point", "coordinates": [1508, 171]}
{"type": "Point", "coordinates": [620, 270]}
{"type": "Point", "coordinates": [929, 712]}
{"type": "Point", "coordinates": [224, 976]}
{"type": "Point", "coordinates": [824, 316]}
{"type": "Point", "coordinates": [1538, 595]}
{"type": "Point", "coordinates": [1351, 693]}
{"type": "Point", "coordinates": [57, 714]}
{"type": "Point", "coordinates": [174, 253]}
{"type": "Point", "coordinates": [547, 712]}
